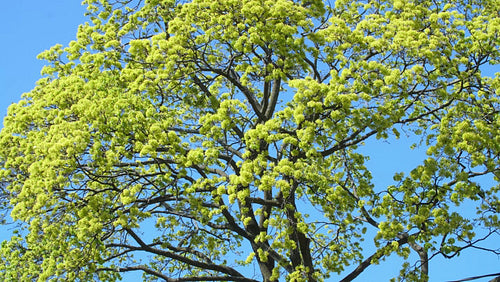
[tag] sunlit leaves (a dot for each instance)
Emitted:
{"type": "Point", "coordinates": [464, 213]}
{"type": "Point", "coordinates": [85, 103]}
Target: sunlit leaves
{"type": "Point", "coordinates": [219, 136]}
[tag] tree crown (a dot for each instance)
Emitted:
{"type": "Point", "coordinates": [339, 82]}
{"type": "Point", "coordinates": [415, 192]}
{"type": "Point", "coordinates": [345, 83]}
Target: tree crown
{"type": "Point", "coordinates": [219, 135]}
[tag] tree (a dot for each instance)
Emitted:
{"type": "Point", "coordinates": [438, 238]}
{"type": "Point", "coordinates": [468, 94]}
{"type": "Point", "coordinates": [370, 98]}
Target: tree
{"type": "Point", "coordinates": [216, 136]}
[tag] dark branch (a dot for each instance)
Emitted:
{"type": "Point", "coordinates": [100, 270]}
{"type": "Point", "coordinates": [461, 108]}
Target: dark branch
{"type": "Point", "coordinates": [478, 277]}
{"type": "Point", "coordinates": [367, 262]}
{"type": "Point", "coordinates": [168, 279]}
{"type": "Point", "coordinates": [202, 265]}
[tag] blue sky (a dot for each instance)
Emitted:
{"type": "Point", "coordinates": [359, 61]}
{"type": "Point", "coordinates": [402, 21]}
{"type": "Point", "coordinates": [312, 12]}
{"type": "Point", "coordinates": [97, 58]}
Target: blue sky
{"type": "Point", "coordinates": [28, 28]}
{"type": "Point", "coordinates": [32, 26]}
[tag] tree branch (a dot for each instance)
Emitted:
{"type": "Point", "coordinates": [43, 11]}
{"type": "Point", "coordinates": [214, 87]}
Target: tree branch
{"type": "Point", "coordinates": [202, 265]}
{"type": "Point", "coordinates": [168, 279]}
{"type": "Point", "coordinates": [367, 262]}
{"type": "Point", "coordinates": [478, 277]}
{"type": "Point", "coordinates": [248, 94]}
{"type": "Point", "coordinates": [424, 257]}
{"type": "Point", "coordinates": [273, 99]}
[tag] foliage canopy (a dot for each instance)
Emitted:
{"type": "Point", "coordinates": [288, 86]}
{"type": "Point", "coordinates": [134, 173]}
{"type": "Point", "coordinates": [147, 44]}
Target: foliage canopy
{"type": "Point", "coordinates": [216, 136]}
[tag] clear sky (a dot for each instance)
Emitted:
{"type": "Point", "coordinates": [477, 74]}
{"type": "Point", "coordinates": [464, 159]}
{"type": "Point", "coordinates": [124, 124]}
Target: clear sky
{"type": "Point", "coordinates": [28, 28]}
{"type": "Point", "coordinates": [31, 26]}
